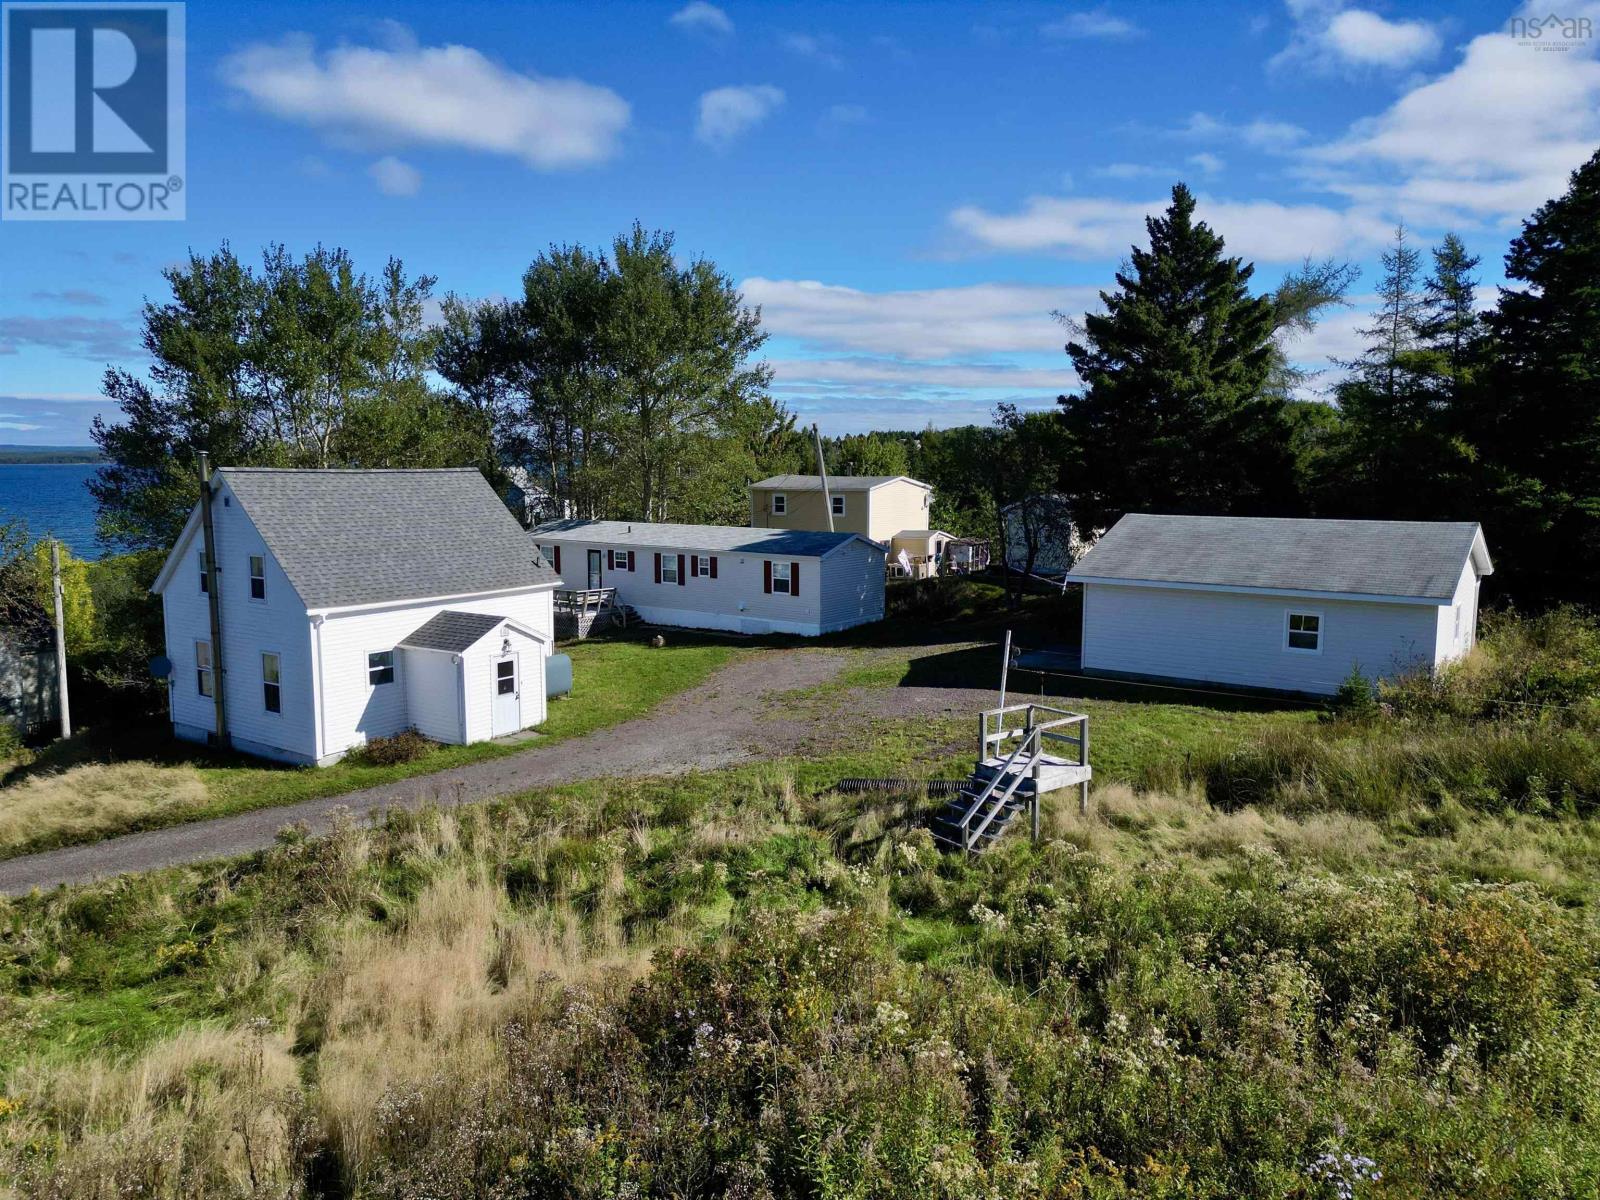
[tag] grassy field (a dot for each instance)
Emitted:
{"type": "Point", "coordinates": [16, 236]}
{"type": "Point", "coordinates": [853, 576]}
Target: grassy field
{"type": "Point", "coordinates": [104, 782]}
{"type": "Point", "coordinates": [743, 980]}
{"type": "Point", "coordinates": [1239, 975]}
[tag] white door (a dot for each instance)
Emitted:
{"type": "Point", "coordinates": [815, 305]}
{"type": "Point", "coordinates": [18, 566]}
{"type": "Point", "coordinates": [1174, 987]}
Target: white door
{"type": "Point", "coordinates": [594, 570]}
{"type": "Point", "coordinates": [507, 699]}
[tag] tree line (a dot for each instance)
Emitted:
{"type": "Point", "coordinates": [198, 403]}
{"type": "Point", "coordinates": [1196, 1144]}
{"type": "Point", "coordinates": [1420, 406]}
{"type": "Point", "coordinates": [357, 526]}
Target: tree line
{"type": "Point", "coordinates": [623, 382]}
{"type": "Point", "coordinates": [628, 384]}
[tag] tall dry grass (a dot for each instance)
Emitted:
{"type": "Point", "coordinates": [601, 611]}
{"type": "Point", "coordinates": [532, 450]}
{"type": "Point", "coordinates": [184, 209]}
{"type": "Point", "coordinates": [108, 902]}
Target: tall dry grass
{"type": "Point", "coordinates": [92, 800]}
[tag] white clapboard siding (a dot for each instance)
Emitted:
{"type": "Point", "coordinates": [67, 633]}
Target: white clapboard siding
{"type": "Point", "coordinates": [249, 627]}
{"type": "Point", "coordinates": [1458, 621]}
{"type": "Point", "coordinates": [354, 709]}
{"type": "Point", "coordinates": [1239, 638]}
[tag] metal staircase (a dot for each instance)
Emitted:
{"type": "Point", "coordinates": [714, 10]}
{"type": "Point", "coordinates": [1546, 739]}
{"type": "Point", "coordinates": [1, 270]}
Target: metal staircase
{"type": "Point", "coordinates": [1003, 785]}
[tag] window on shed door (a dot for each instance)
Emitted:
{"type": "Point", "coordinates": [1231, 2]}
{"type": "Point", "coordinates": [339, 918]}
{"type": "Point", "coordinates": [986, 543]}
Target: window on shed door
{"type": "Point", "coordinates": [380, 667]}
{"type": "Point", "coordinates": [203, 678]}
{"type": "Point", "coordinates": [505, 677]}
{"type": "Point", "coordinates": [271, 683]}
{"type": "Point", "coordinates": [780, 577]}
{"type": "Point", "coordinates": [1305, 632]}
{"type": "Point", "coordinates": [838, 506]}
{"type": "Point", "coordinates": [258, 577]}
{"type": "Point", "coordinates": [780, 504]}
{"type": "Point", "coordinates": [669, 568]}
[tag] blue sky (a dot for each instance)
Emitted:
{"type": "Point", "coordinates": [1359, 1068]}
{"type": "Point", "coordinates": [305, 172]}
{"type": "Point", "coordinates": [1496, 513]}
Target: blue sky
{"type": "Point", "coordinates": [909, 190]}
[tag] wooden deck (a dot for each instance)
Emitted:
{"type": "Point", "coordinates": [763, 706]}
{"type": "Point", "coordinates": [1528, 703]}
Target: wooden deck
{"type": "Point", "coordinates": [580, 612]}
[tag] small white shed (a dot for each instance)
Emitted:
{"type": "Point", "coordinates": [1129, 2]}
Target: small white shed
{"type": "Point", "coordinates": [1281, 604]}
{"type": "Point", "coordinates": [754, 581]}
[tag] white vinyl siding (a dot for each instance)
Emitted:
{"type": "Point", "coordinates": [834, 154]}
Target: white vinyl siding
{"type": "Point", "coordinates": [326, 697]}
{"type": "Point", "coordinates": [844, 588]}
{"type": "Point", "coordinates": [1239, 639]}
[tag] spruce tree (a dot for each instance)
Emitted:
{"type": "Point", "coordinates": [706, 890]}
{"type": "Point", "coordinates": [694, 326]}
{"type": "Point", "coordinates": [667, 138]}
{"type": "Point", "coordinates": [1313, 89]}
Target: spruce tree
{"type": "Point", "coordinates": [1175, 412]}
{"type": "Point", "coordinates": [1539, 418]}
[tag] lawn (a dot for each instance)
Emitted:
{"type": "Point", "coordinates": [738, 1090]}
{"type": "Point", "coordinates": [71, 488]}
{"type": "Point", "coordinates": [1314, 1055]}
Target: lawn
{"type": "Point", "coordinates": [104, 782]}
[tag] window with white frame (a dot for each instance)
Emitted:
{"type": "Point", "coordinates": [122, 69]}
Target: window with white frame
{"type": "Point", "coordinates": [205, 577]}
{"type": "Point", "coordinates": [1304, 632]}
{"type": "Point", "coordinates": [1458, 624]}
{"type": "Point", "coordinates": [669, 568]}
{"type": "Point", "coordinates": [271, 683]}
{"type": "Point", "coordinates": [204, 679]}
{"type": "Point", "coordinates": [258, 577]}
{"type": "Point", "coordinates": [780, 504]}
{"type": "Point", "coordinates": [380, 667]}
{"type": "Point", "coordinates": [780, 577]}
{"type": "Point", "coordinates": [704, 566]}
{"type": "Point", "coordinates": [838, 505]}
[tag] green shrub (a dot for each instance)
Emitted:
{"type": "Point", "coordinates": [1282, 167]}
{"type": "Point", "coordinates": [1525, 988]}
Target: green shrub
{"type": "Point", "coordinates": [406, 746]}
{"type": "Point", "coordinates": [1357, 698]}
{"type": "Point", "coordinates": [10, 742]}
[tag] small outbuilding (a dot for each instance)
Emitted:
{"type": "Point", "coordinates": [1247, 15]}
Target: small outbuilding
{"type": "Point", "coordinates": [753, 581]}
{"type": "Point", "coordinates": [1280, 604]}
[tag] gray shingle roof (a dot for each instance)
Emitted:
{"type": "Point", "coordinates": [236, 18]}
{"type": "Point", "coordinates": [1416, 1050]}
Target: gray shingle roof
{"type": "Point", "coordinates": [803, 543]}
{"type": "Point", "coordinates": [368, 537]}
{"type": "Point", "coordinates": [451, 630]}
{"type": "Point", "coordinates": [1414, 559]}
{"type": "Point", "coordinates": [837, 483]}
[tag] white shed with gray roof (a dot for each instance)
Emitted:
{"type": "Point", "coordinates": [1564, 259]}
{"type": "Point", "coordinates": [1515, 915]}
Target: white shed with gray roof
{"type": "Point", "coordinates": [356, 605]}
{"type": "Point", "coordinates": [754, 581]}
{"type": "Point", "coordinates": [1281, 604]}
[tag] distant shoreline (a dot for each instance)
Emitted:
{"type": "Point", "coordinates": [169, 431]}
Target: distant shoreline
{"type": "Point", "coordinates": [45, 456]}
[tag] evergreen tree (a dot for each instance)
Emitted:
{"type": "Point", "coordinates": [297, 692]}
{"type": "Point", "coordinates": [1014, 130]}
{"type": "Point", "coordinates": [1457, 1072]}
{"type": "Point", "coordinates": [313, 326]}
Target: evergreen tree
{"type": "Point", "coordinates": [1175, 412]}
{"type": "Point", "coordinates": [1538, 423]}
{"type": "Point", "coordinates": [1450, 326]}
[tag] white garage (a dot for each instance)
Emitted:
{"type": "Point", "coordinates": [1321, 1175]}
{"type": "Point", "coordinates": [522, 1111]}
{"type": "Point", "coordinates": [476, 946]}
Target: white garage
{"type": "Point", "coordinates": [1281, 604]}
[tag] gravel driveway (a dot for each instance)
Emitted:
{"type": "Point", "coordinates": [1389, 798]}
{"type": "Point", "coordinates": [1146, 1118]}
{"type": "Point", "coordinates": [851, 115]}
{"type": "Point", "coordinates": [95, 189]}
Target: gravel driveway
{"type": "Point", "coordinates": [719, 723]}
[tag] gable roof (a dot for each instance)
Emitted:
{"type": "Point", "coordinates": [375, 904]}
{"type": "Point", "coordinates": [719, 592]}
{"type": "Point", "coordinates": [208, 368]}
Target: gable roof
{"type": "Point", "coordinates": [353, 538]}
{"type": "Point", "coordinates": [1400, 560]}
{"type": "Point", "coordinates": [451, 630]}
{"type": "Point", "coordinates": [801, 543]}
{"type": "Point", "coordinates": [837, 483]}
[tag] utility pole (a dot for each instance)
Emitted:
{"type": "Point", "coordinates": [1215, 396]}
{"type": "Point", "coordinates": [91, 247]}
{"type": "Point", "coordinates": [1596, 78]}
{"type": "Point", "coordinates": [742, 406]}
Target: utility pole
{"type": "Point", "coordinates": [57, 591]}
{"type": "Point", "coordinates": [822, 471]}
{"type": "Point", "coordinates": [214, 596]}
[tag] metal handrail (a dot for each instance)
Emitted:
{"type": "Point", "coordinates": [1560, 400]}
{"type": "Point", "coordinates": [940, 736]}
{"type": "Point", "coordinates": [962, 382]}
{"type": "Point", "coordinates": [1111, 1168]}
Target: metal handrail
{"type": "Point", "coordinates": [1016, 782]}
{"type": "Point", "coordinates": [988, 790]}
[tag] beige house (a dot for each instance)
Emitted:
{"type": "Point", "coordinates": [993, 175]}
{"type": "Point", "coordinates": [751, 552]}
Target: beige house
{"type": "Point", "coordinates": [892, 510]}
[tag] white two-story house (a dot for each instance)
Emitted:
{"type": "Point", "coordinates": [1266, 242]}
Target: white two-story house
{"type": "Point", "coordinates": [355, 605]}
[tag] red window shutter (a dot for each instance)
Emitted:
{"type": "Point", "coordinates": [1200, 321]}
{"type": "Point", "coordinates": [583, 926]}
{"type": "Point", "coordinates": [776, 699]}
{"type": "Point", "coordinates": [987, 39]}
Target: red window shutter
{"type": "Point", "coordinates": [630, 561]}
{"type": "Point", "coordinates": [611, 560]}
{"type": "Point", "coordinates": [694, 566]}
{"type": "Point", "coordinates": [794, 579]}
{"type": "Point", "coordinates": [557, 550]}
{"type": "Point", "coordinates": [658, 566]}
{"type": "Point", "coordinates": [766, 576]}
{"type": "Point", "coordinates": [713, 566]}
{"type": "Point", "coordinates": [682, 578]}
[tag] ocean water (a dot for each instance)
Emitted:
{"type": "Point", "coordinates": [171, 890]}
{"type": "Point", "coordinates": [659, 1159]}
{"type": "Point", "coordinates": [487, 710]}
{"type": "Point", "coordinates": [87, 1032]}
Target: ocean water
{"type": "Point", "coordinates": [53, 499]}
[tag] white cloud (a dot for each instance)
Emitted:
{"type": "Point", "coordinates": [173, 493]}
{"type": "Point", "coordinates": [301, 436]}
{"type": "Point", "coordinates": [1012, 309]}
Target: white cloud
{"type": "Point", "coordinates": [875, 372]}
{"type": "Point", "coordinates": [1090, 23]}
{"type": "Point", "coordinates": [700, 17]}
{"type": "Point", "coordinates": [1492, 138]}
{"type": "Point", "coordinates": [1128, 170]}
{"type": "Point", "coordinates": [1262, 133]}
{"type": "Point", "coordinates": [1090, 227]}
{"type": "Point", "coordinates": [810, 46]}
{"type": "Point", "coordinates": [1207, 162]}
{"type": "Point", "coordinates": [406, 94]}
{"type": "Point", "coordinates": [1365, 38]}
{"type": "Point", "coordinates": [395, 178]}
{"type": "Point", "coordinates": [925, 324]}
{"type": "Point", "coordinates": [728, 112]}
{"type": "Point", "coordinates": [1331, 37]}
